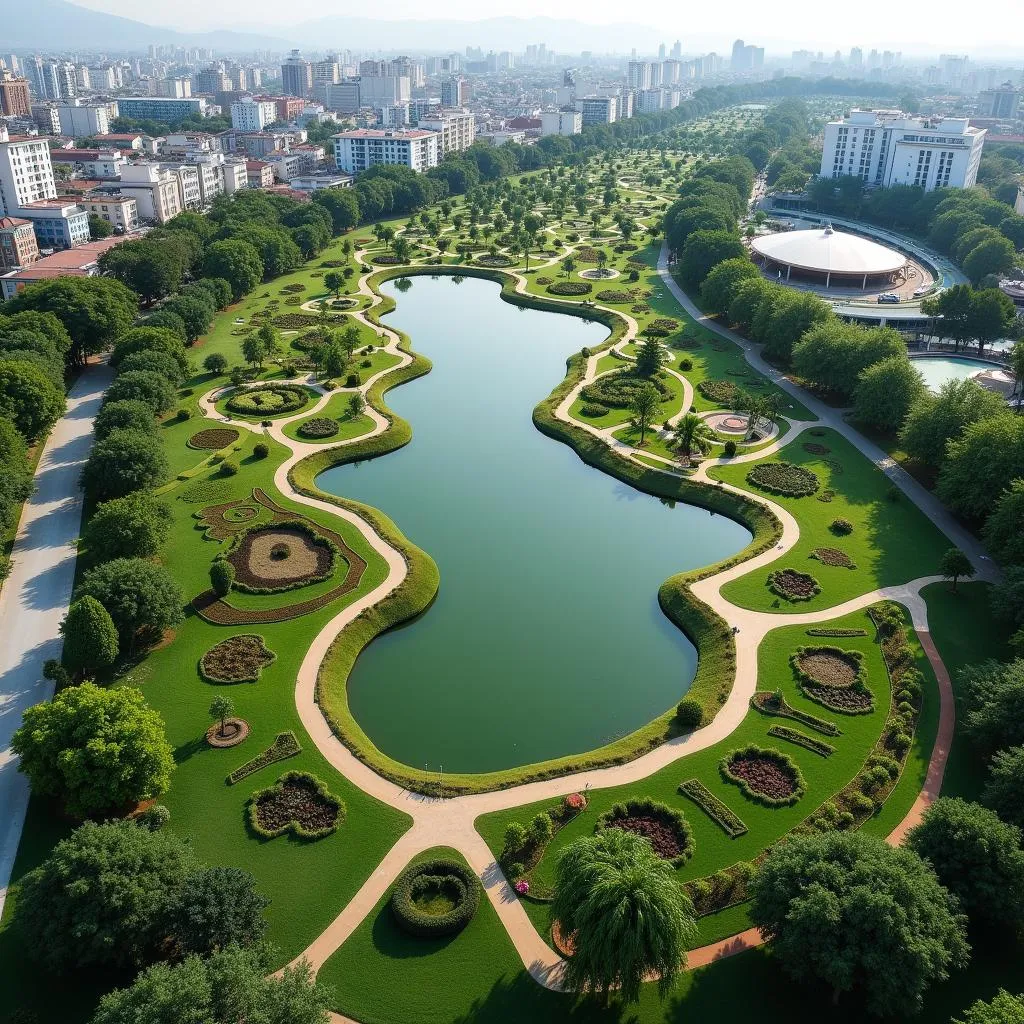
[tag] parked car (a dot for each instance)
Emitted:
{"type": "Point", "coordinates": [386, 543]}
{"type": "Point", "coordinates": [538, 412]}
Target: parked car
{"type": "Point", "coordinates": [888, 297]}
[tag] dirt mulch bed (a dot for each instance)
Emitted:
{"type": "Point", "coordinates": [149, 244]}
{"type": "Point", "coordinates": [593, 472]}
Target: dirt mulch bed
{"type": "Point", "coordinates": [661, 835]}
{"type": "Point", "coordinates": [827, 669]}
{"type": "Point", "coordinates": [849, 701]}
{"type": "Point", "coordinates": [273, 556]}
{"type": "Point", "coordinates": [763, 776]}
{"type": "Point", "coordinates": [793, 585]}
{"type": "Point", "coordinates": [235, 732]}
{"type": "Point", "coordinates": [239, 659]}
{"type": "Point", "coordinates": [293, 801]}
{"type": "Point", "coordinates": [213, 439]}
{"type": "Point", "coordinates": [813, 448]}
{"type": "Point", "coordinates": [834, 557]}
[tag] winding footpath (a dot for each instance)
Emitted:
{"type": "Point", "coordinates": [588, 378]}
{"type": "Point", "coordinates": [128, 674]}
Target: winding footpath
{"type": "Point", "coordinates": [450, 822]}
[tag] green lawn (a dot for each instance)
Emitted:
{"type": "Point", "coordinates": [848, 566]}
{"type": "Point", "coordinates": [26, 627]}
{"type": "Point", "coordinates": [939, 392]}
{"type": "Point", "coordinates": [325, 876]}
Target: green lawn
{"type": "Point", "coordinates": [336, 409]}
{"type": "Point", "coordinates": [892, 542]}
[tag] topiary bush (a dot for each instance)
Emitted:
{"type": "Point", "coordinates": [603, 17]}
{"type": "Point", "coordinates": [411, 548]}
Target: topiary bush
{"type": "Point", "coordinates": [689, 713]}
{"type": "Point", "coordinates": [229, 467]}
{"type": "Point", "coordinates": [569, 288]}
{"type": "Point", "coordinates": [430, 886]}
{"type": "Point", "coordinates": [783, 478]}
{"type": "Point", "coordinates": [318, 427]}
{"type": "Point", "coordinates": [841, 527]}
{"type": "Point", "coordinates": [729, 449]}
{"type": "Point", "coordinates": [261, 450]}
{"type": "Point", "coordinates": [270, 399]}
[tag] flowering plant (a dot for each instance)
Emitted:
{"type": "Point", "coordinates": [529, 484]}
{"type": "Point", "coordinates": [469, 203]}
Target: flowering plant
{"type": "Point", "coordinates": [522, 887]}
{"type": "Point", "coordinates": [575, 802]}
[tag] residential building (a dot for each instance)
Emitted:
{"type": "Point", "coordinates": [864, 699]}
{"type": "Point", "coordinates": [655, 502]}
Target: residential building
{"type": "Point", "coordinates": [174, 88]}
{"type": "Point", "coordinates": [161, 108]}
{"type": "Point", "coordinates": [259, 174]}
{"type": "Point", "coordinates": [155, 189]}
{"type": "Point", "coordinates": [190, 197]}
{"type": "Point", "coordinates": [93, 163]}
{"type": "Point", "coordinates": [297, 76]}
{"type": "Point", "coordinates": [14, 96]}
{"type": "Point", "coordinates": [118, 210]}
{"type": "Point", "coordinates": [639, 74]}
{"type": "Point", "coordinates": [561, 122]}
{"type": "Point", "coordinates": [18, 247]}
{"type": "Point", "coordinates": [58, 223]}
{"type": "Point", "coordinates": [80, 262]}
{"type": "Point", "coordinates": [358, 150]}
{"type": "Point", "coordinates": [650, 101]}
{"type": "Point", "coordinates": [234, 175]}
{"type": "Point", "coordinates": [316, 182]}
{"type": "Point", "coordinates": [121, 140]}
{"type": "Point", "coordinates": [383, 90]}
{"type": "Point", "coordinates": [286, 165]}
{"type": "Point", "coordinates": [454, 91]}
{"type": "Point", "coordinates": [345, 97]}
{"type": "Point", "coordinates": [395, 116]}
{"type": "Point", "coordinates": [26, 174]}
{"type": "Point", "coordinates": [325, 73]}
{"type": "Point", "coordinates": [83, 120]}
{"type": "Point", "coordinates": [598, 109]}
{"type": "Point", "coordinates": [1002, 103]}
{"type": "Point", "coordinates": [251, 115]}
{"type": "Point", "coordinates": [46, 118]}
{"type": "Point", "coordinates": [211, 80]}
{"type": "Point", "coordinates": [887, 147]}
{"type": "Point", "coordinates": [456, 128]}
{"type": "Point", "coordinates": [210, 172]}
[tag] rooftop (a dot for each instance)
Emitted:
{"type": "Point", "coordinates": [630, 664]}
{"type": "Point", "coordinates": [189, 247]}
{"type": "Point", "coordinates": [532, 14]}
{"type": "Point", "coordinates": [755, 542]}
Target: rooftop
{"type": "Point", "coordinates": [6, 223]}
{"type": "Point", "coordinates": [384, 133]}
{"type": "Point", "coordinates": [75, 262]}
{"type": "Point", "coordinates": [828, 252]}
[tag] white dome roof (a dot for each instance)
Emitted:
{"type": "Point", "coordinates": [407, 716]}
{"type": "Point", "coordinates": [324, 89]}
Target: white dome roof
{"type": "Point", "coordinates": [827, 251]}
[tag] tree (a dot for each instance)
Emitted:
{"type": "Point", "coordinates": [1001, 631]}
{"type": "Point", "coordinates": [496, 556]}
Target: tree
{"type": "Point", "coordinates": [334, 282]}
{"type": "Point", "coordinates": [94, 311]}
{"type": "Point", "coordinates": [976, 855]}
{"type": "Point", "coordinates": [356, 404]}
{"type": "Point", "coordinates": [215, 363]}
{"type": "Point", "coordinates": [139, 595]}
{"type": "Point", "coordinates": [626, 914]}
{"type": "Point", "coordinates": [100, 898]}
{"type": "Point", "coordinates": [1007, 600]}
{"type": "Point", "coordinates": [935, 419]}
{"type": "Point", "coordinates": [130, 414]}
{"type": "Point", "coordinates": [993, 698]}
{"type": "Point", "coordinates": [995, 255]}
{"type": "Point", "coordinates": [644, 406]}
{"type": "Point", "coordinates": [134, 526]}
{"type": "Point", "coordinates": [956, 565]}
{"type": "Point", "coordinates": [980, 462]}
{"type": "Point", "coordinates": [720, 285]}
{"type": "Point", "coordinates": [992, 316]}
{"type": "Point", "coordinates": [568, 266]}
{"type": "Point", "coordinates": [649, 356]}
{"type": "Point", "coordinates": [99, 228]}
{"type": "Point", "coordinates": [951, 310]}
{"type": "Point", "coordinates": [150, 268]}
{"type": "Point", "coordinates": [29, 397]}
{"type": "Point", "coordinates": [833, 354]}
{"type": "Point", "coordinates": [252, 350]}
{"type": "Point", "coordinates": [237, 262]}
{"type": "Point", "coordinates": [820, 901]}
{"type": "Point", "coordinates": [692, 434]}
{"type": "Point", "coordinates": [231, 985]}
{"type": "Point", "coordinates": [150, 339]}
{"type": "Point", "coordinates": [15, 475]}
{"type": "Point", "coordinates": [335, 359]}
{"type": "Point", "coordinates": [704, 250]}
{"type": "Point", "coordinates": [1003, 791]}
{"type": "Point", "coordinates": [196, 310]}
{"type": "Point", "coordinates": [157, 362]}
{"type": "Point", "coordinates": [221, 707]}
{"type": "Point", "coordinates": [215, 908]}
{"type": "Point", "coordinates": [885, 392]}
{"type": "Point", "coordinates": [222, 577]}
{"type": "Point", "coordinates": [1002, 1008]}
{"type": "Point", "coordinates": [96, 750]}
{"type": "Point", "coordinates": [342, 205]}
{"type": "Point", "coordinates": [90, 638]}
{"type": "Point", "coordinates": [792, 316]}
{"type": "Point", "coordinates": [143, 386]}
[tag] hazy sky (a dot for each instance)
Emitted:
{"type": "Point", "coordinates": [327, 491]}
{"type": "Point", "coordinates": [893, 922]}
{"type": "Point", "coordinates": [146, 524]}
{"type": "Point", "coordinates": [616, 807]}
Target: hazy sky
{"type": "Point", "coordinates": [941, 25]}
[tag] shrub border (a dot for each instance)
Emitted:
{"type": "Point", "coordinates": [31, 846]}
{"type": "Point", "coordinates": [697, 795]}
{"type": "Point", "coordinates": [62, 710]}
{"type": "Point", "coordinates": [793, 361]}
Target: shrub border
{"type": "Point", "coordinates": [783, 761]}
{"type": "Point", "coordinates": [428, 926]}
{"type": "Point", "coordinates": [648, 807]}
{"type": "Point", "coordinates": [784, 492]}
{"type": "Point", "coordinates": [319, 787]}
{"type": "Point", "coordinates": [717, 810]}
{"type": "Point", "coordinates": [285, 745]}
{"type": "Point", "coordinates": [801, 739]}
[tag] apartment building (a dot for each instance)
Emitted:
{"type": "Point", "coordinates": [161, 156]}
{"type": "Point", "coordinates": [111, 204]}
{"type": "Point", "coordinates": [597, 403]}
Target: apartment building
{"type": "Point", "coordinates": [456, 130]}
{"type": "Point", "coordinates": [14, 96]}
{"type": "Point", "coordinates": [250, 115]}
{"type": "Point", "coordinates": [297, 75]}
{"type": "Point", "coordinates": [161, 108]}
{"type": "Point", "coordinates": [259, 174]}
{"type": "Point", "coordinates": [18, 246]}
{"type": "Point", "coordinates": [58, 223]}
{"type": "Point", "coordinates": [93, 163]}
{"type": "Point", "coordinates": [598, 109]}
{"type": "Point", "coordinates": [155, 189]}
{"type": "Point", "coordinates": [26, 174]}
{"type": "Point", "coordinates": [358, 150]}
{"type": "Point", "coordinates": [121, 212]}
{"type": "Point", "coordinates": [83, 120]}
{"type": "Point", "coordinates": [454, 91]}
{"type": "Point", "coordinates": [235, 176]}
{"type": "Point", "coordinates": [561, 122]}
{"type": "Point", "coordinates": [190, 196]}
{"type": "Point", "coordinates": [79, 262]}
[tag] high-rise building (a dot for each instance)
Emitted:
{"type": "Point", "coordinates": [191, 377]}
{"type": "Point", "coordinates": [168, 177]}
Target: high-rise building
{"type": "Point", "coordinates": [79, 119]}
{"type": "Point", "coordinates": [856, 57]}
{"type": "Point", "coordinates": [296, 76]}
{"type": "Point", "coordinates": [14, 96]}
{"type": "Point", "coordinates": [454, 91]}
{"type": "Point", "coordinates": [1003, 103]}
{"type": "Point", "coordinates": [249, 115]}
{"type": "Point", "coordinates": [26, 174]}
{"type": "Point", "coordinates": [561, 122]}
{"type": "Point", "coordinates": [212, 80]}
{"type": "Point", "coordinates": [456, 130]}
{"type": "Point", "coordinates": [639, 74]}
{"type": "Point", "coordinates": [738, 58]}
{"type": "Point", "coordinates": [597, 109]}
{"type": "Point", "coordinates": [661, 52]}
{"type": "Point", "coordinates": [677, 50]}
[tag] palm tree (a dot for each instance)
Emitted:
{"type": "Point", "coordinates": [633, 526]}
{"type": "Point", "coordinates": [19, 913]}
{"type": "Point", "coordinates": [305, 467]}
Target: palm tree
{"type": "Point", "coordinates": [624, 912]}
{"type": "Point", "coordinates": [692, 434]}
{"type": "Point", "coordinates": [644, 407]}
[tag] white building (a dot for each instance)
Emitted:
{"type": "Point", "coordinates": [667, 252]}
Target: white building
{"type": "Point", "coordinates": [395, 115]}
{"type": "Point", "coordinates": [383, 90]}
{"type": "Point", "coordinates": [357, 150]}
{"type": "Point", "coordinates": [561, 122]}
{"type": "Point", "coordinates": [286, 165]}
{"type": "Point", "coordinates": [249, 115]}
{"type": "Point", "coordinates": [120, 211]}
{"type": "Point", "coordinates": [235, 175]}
{"type": "Point", "coordinates": [457, 130]}
{"type": "Point", "coordinates": [82, 120]}
{"type": "Point", "coordinates": [886, 147]}
{"type": "Point", "coordinates": [639, 74]}
{"type": "Point", "coordinates": [26, 174]}
{"type": "Point", "coordinates": [154, 189]}
{"type": "Point", "coordinates": [598, 109]}
{"type": "Point", "coordinates": [317, 182]}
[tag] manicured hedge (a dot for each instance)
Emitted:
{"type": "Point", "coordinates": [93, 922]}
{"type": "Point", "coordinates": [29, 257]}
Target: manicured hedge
{"type": "Point", "coordinates": [618, 389]}
{"type": "Point", "coordinates": [279, 399]}
{"type": "Point", "coordinates": [318, 427]}
{"type": "Point", "coordinates": [782, 762]}
{"type": "Point", "coordinates": [284, 746]}
{"type": "Point", "coordinates": [320, 817]}
{"type": "Point", "coordinates": [668, 817]}
{"type": "Point", "coordinates": [836, 632]}
{"type": "Point", "coordinates": [801, 739]}
{"type": "Point", "coordinates": [793, 585]}
{"type": "Point", "coordinates": [570, 288]}
{"type": "Point", "coordinates": [415, 878]}
{"type": "Point", "coordinates": [302, 526]}
{"type": "Point", "coordinates": [721, 814]}
{"type": "Point", "coordinates": [783, 478]}
{"type": "Point", "coordinates": [775, 704]}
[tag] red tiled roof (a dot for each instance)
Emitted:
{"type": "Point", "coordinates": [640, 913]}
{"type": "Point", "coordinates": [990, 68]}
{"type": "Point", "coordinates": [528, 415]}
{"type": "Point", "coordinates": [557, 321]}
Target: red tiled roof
{"type": "Point", "coordinates": [13, 222]}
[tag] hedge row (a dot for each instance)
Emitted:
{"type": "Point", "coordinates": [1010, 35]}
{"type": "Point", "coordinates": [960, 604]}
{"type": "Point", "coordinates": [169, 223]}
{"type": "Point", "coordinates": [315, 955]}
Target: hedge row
{"type": "Point", "coordinates": [783, 762]}
{"type": "Point", "coordinates": [721, 814]}
{"type": "Point", "coordinates": [284, 746]}
{"type": "Point", "coordinates": [836, 632]}
{"type": "Point", "coordinates": [416, 878]}
{"type": "Point", "coordinates": [775, 704]}
{"type": "Point", "coordinates": [801, 739]}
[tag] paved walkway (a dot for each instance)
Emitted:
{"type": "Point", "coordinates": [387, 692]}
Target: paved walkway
{"type": "Point", "coordinates": [36, 595]}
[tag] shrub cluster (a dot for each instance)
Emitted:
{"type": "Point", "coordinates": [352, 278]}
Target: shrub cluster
{"type": "Point", "coordinates": [442, 877]}
{"type": "Point", "coordinates": [721, 814]}
{"type": "Point", "coordinates": [569, 288]}
{"type": "Point", "coordinates": [298, 803]}
{"type": "Point", "coordinates": [721, 392]}
{"type": "Point", "coordinates": [618, 389]}
{"type": "Point", "coordinates": [239, 659]}
{"type": "Point", "coordinates": [270, 399]}
{"type": "Point", "coordinates": [793, 585]}
{"type": "Point", "coordinates": [801, 739]}
{"type": "Point", "coordinates": [318, 427]}
{"type": "Point", "coordinates": [666, 829]}
{"type": "Point", "coordinates": [834, 557]}
{"type": "Point", "coordinates": [783, 478]}
{"type": "Point", "coordinates": [613, 295]}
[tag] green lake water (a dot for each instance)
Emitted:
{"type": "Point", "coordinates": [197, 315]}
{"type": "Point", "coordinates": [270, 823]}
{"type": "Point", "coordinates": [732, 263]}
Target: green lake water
{"type": "Point", "coordinates": [546, 637]}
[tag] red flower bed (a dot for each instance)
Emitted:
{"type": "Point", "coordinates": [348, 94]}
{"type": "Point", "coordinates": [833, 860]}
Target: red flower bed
{"type": "Point", "coordinates": [765, 775]}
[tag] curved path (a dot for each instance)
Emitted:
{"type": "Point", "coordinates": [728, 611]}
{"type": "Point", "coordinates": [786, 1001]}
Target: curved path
{"type": "Point", "coordinates": [35, 596]}
{"type": "Point", "coordinates": [450, 822]}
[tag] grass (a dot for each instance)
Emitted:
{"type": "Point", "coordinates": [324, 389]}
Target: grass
{"type": "Point", "coordinates": [337, 408]}
{"type": "Point", "coordinates": [879, 544]}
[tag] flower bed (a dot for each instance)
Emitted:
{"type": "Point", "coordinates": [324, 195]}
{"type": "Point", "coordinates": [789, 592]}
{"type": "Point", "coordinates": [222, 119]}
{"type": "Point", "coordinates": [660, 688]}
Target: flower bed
{"type": "Point", "coordinates": [213, 439]}
{"type": "Point", "coordinates": [587, 254]}
{"type": "Point", "coordinates": [569, 288]}
{"type": "Point", "coordinates": [233, 732]}
{"type": "Point", "coordinates": [494, 261]}
{"type": "Point", "coordinates": [618, 389]}
{"type": "Point", "coordinates": [386, 260]}
{"type": "Point", "coordinates": [661, 327]}
{"type": "Point", "coordinates": [801, 739]}
{"type": "Point", "coordinates": [775, 704]}
{"type": "Point", "coordinates": [270, 558]}
{"type": "Point", "coordinates": [813, 448]}
{"type": "Point", "coordinates": [318, 427]}
{"type": "Point", "coordinates": [793, 585]}
{"type": "Point", "coordinates": [284, 746]}
{"type": "Point", "coordinates": [722, 392]}
{"type": "Point", "coordinates": [239, 659]}
{"type": "Point", "coordinates": [836, 632]}
{"type": "Point", "coordinates": [828, 666]}
{"type": "Point", "coordinates": [764, 775]}
{"type": "Point", "coordinates": [612, 295]}
{"type": "Point", "coordinates": [435, 898]}
{"type": "Point", "coordinates": [783, 478]}
{"type": "Point", "coordinates": [834, 557]}
{"type": "Point", "coordinates": [721, 814]}
{"type": "Point", "coordinates": [665, 829]}
{"type": "Point", "coordinates": [298, 803]}
{"type": "Point", "coordinates": [295, 321]}
{"type": "Point", "coordinates": [268, 400]}
{"type": "Point", "coordinates": [853, 701]}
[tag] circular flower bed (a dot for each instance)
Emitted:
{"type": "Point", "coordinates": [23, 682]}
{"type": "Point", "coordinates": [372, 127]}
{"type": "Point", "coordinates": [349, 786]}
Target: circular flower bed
{"type": "Point", "coordinates": [239, 659]}
{"type": "Point", "coordinates": [618, 389]}
{"type": "Point", "coordinates": [569, 288]}
{"type": "Point", "coordinates": [273, 557]}
{"type": "Point", "coordinates": [664, 828]}
{"type": "Point", "coordinates": [234, 732]}
{"type": "Point", "coordinates": [783, 478]}
{"type": "Point", "coordinates": [835, 557]}
{"type": "Point", "coordinates": [764, 775]}
{"type": "Point", "coordinates": [268, 400]}
{"type": "Point", "coordinates": [318, 427]}
{"type": "Point", "coordinates": [828, 666]}
{"type": "Point", "coordinates": [793, 585]}
{"type": "Point", "coordinates": [605, 274]}
{"type": "Point", "coordinates": [213, 439]}
{"type": "Point", "coordinates": [298, 803]}
{"type": "Point", "coordinates": [856, 700]}
{"type": "Point", "coordinates": [435, 898]}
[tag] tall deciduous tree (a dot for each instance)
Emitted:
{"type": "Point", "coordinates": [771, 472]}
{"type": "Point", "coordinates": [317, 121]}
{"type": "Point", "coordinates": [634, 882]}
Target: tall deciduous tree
{"type": "Point", "coordinates": [955, 565]}
{"type": "Point", "coordinates": [90, 637]}
{"type": "Point", "coordinates": [885, 392]}
{"type": "Point", "coordinates": [29, 397]}
{"type": "Point", "coordinates": [644, 406]}
{"type": "Point", "coordinates": [134, 526]}
{"type": "Point", "coordinates": [215, 908]}
{"type": "Point", "coordinates": [980, 462]}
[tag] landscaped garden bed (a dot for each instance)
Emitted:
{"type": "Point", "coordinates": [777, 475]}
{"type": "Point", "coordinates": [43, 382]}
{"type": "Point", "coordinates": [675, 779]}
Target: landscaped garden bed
{"type": "Point", "coordinates": [298, 803]}
{"type": "Point", "coordinates": [769, 703]}
{"type": "Point", "coordinates": [720, 813]}
{"type": "Point", "coordinates": [268, 400]}
{"type": "Point", "coordinates": [833, 557]}
{"type": "Point", "coordinates": [764, 775]}
{"type": "Point", "coordinates": [213, 438]}
{"type": "Point", "coordinates": [318, 428]}
{"type": "Point", "coordinates": [783, 478]}
{"type": "Point", "coordinates": [239, 659]}
{"type": "Point", "coordinates": [285, 745]}
{"type": "Point", "coordinates": [435, 898]}
{"type": "Point", "coordinates": [273, 557]}
{"type": "Point", "coordinates": [722, 392]}
{"type": "Point", "coordinates": [229, 734]}
{"type": "Point", "coordinates": [618, 389]}
{"type": "Point", "coordinates": [665, 829]}
{"type": "Point", "coordinates": [833, 678]}
{"type": "Point", "coordinates": [784, 732]}
{"type": "Point", "coordinates": [570, 288]}
{"type": "Point", "coordinates": [793, 585]}
{"type": "Point", "coordinates": [295, 321]}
